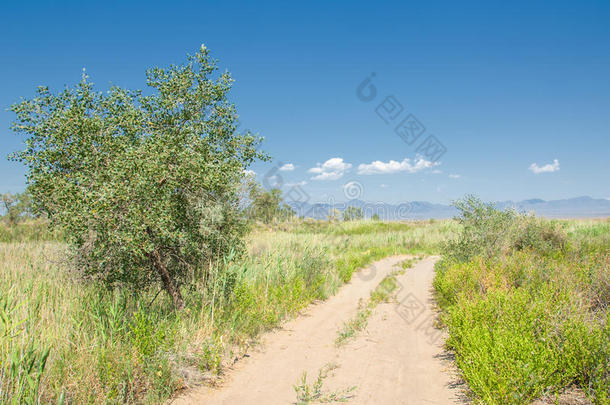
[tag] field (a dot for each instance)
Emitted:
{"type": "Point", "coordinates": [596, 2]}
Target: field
{"type": "Point", "coordinates": [527, 312]}
{"type": "Point", "coordinates": [68, 341]}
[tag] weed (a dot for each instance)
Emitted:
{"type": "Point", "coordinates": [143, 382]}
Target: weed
{"type": "Point", "coordinates": [353, 326]}
{"type": "Point", "coordinates": [307, 394]}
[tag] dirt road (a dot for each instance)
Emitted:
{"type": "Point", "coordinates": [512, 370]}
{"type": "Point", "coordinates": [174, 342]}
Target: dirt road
{"type": "Point", "coordinates": [398, 359]}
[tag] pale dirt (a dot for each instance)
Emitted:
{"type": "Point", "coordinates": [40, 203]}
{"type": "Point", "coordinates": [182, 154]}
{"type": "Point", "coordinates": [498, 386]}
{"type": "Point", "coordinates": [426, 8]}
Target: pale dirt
{"type": "Point", "coordinates": [398, 359]}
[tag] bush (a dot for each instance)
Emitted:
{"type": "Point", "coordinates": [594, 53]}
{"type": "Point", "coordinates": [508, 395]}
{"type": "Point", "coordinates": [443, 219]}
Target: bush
{"type": "Point", "coordinates": [521, 327]}
{"type": "Point", "coordinates": [487, 231]}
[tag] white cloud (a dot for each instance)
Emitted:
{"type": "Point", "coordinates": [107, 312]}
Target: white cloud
{"type": "Point", "coordinates": [288, 167]}
{"type": "Point", "coordinates": [300, 183]}
{"type": "Point", "coordinates": [383, 185]}
{"type": "Point", "coordinates": [548, 168]}
{"type": "Point", "coordinates": [379, 167]}
{"type": "Point", "coordinates": [455, 176]}
{"type": "Point", "coordinates": [250, 173]}
{"type": "Point", "coordinates": [436, 171]}
{"type": "Point", "coordinates": [332, 169]}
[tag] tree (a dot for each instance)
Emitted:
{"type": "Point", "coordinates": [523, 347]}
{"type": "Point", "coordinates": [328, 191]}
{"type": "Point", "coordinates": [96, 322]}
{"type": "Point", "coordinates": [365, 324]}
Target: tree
{"type": "Point", "coordinates": [375, 217]}
{"type": "Point", "coordinates": [15, 206]}
{"type": "Point", "coordinates": [352, 213]}
{"type": "Point", "coordinates": [267, 205]}
{"type": "Point", "coordinates": [145, 187]}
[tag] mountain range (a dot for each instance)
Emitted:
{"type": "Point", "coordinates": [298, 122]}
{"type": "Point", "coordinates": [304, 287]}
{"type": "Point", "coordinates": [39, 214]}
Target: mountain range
{"type": "Point", "coordinates": [579, 207]}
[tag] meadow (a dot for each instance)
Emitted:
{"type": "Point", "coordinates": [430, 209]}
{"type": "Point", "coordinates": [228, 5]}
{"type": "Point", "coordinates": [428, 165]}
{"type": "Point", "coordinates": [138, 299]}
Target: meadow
{"type": "Point", "coordinates": [68, 341]}
{"type": "Point", "coordinates": [525, 302]}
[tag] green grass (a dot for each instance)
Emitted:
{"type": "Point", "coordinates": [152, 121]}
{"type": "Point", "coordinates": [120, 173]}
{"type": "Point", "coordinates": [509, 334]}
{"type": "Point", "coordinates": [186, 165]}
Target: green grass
{"type": "Point", "coordinates": [531, 321]}
{"type": "Point", "coordinates": [110, 346]}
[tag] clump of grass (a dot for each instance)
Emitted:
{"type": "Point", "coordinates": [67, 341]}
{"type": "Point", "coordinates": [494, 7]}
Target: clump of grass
{"type": "Point", "coordinates": [307, 394]}
{"type": "Point", "coordinates": [408, 263]}
{"type": "Point", "coordinates": [23, 359]}
{"type": "Point", "coordinates": [354, 325]}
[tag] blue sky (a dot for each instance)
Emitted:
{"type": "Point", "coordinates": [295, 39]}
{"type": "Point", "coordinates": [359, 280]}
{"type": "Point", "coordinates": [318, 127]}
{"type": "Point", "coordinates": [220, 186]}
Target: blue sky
{"type": "Point", "coordinates": [502, 85]}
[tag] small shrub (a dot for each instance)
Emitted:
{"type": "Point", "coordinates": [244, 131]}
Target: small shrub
{"type": "Point", "coordinates": [211, 357]}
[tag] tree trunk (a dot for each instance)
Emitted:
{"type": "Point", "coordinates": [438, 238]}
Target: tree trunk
{"type": "Point", "coordinates": [169, 284]}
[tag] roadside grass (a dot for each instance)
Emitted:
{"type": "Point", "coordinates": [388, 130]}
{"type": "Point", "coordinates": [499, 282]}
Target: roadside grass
{"type": "Point", "coordinates": [532, 319]}
{"type": "Point", "coordinates": [66, 341]}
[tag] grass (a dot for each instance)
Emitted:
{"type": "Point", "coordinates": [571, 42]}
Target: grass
{"type": "Point", "coordinates": [65, 341]}
{"type": "Point", "coordinates": [35, 230]}
{"type": "Point", "coordinates": [531, 318]}
{"type": "Point", "coordinates": [351, 327]}
{"type": "Point", "coordinates": [527, 316]}
{"type": "Point", "coordinates": [313, 393]}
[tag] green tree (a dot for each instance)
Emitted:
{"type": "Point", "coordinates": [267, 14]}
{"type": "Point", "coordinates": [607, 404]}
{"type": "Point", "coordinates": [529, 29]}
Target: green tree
{"type": "Point", "coordinates": [352, 213]}
{"type": "Point", "coordinates": [267, 205]}
{"type": "Point", "coordinates": [16, 206]}
{"type": "Point", "coordinates": [145, 187]}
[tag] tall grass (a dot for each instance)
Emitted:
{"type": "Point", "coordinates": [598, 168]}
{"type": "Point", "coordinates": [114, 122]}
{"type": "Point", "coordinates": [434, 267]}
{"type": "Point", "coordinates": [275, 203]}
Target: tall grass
{"type": "Point", "coordinates": [63, 340]}
{"type": "Point", "coordinates": [527, 309]}
{"type": "Point", "coordinates": [33, 230]}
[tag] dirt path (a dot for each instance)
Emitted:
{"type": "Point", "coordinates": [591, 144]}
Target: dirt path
{"type": "Point", "coordinates": [398, 359]}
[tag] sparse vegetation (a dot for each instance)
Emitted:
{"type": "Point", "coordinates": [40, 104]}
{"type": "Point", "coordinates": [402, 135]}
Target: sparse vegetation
{"type": "Point", "coordinates": [526, 304]}
{"type": "Point", "coordinates": [382, 293]}
{"type": "Point", "coordinates": [307, 394]}
{"type": "Point", "coordinates": [354, 325]}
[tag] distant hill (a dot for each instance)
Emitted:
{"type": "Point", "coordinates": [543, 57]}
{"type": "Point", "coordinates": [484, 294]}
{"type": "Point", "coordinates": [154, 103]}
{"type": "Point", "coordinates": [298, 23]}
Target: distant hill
{"type": "Point", "coordinates": [579, 207]}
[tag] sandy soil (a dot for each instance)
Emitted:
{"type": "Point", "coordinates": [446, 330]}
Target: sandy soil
{"type": "Point", "coordinates": [398, 359]}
